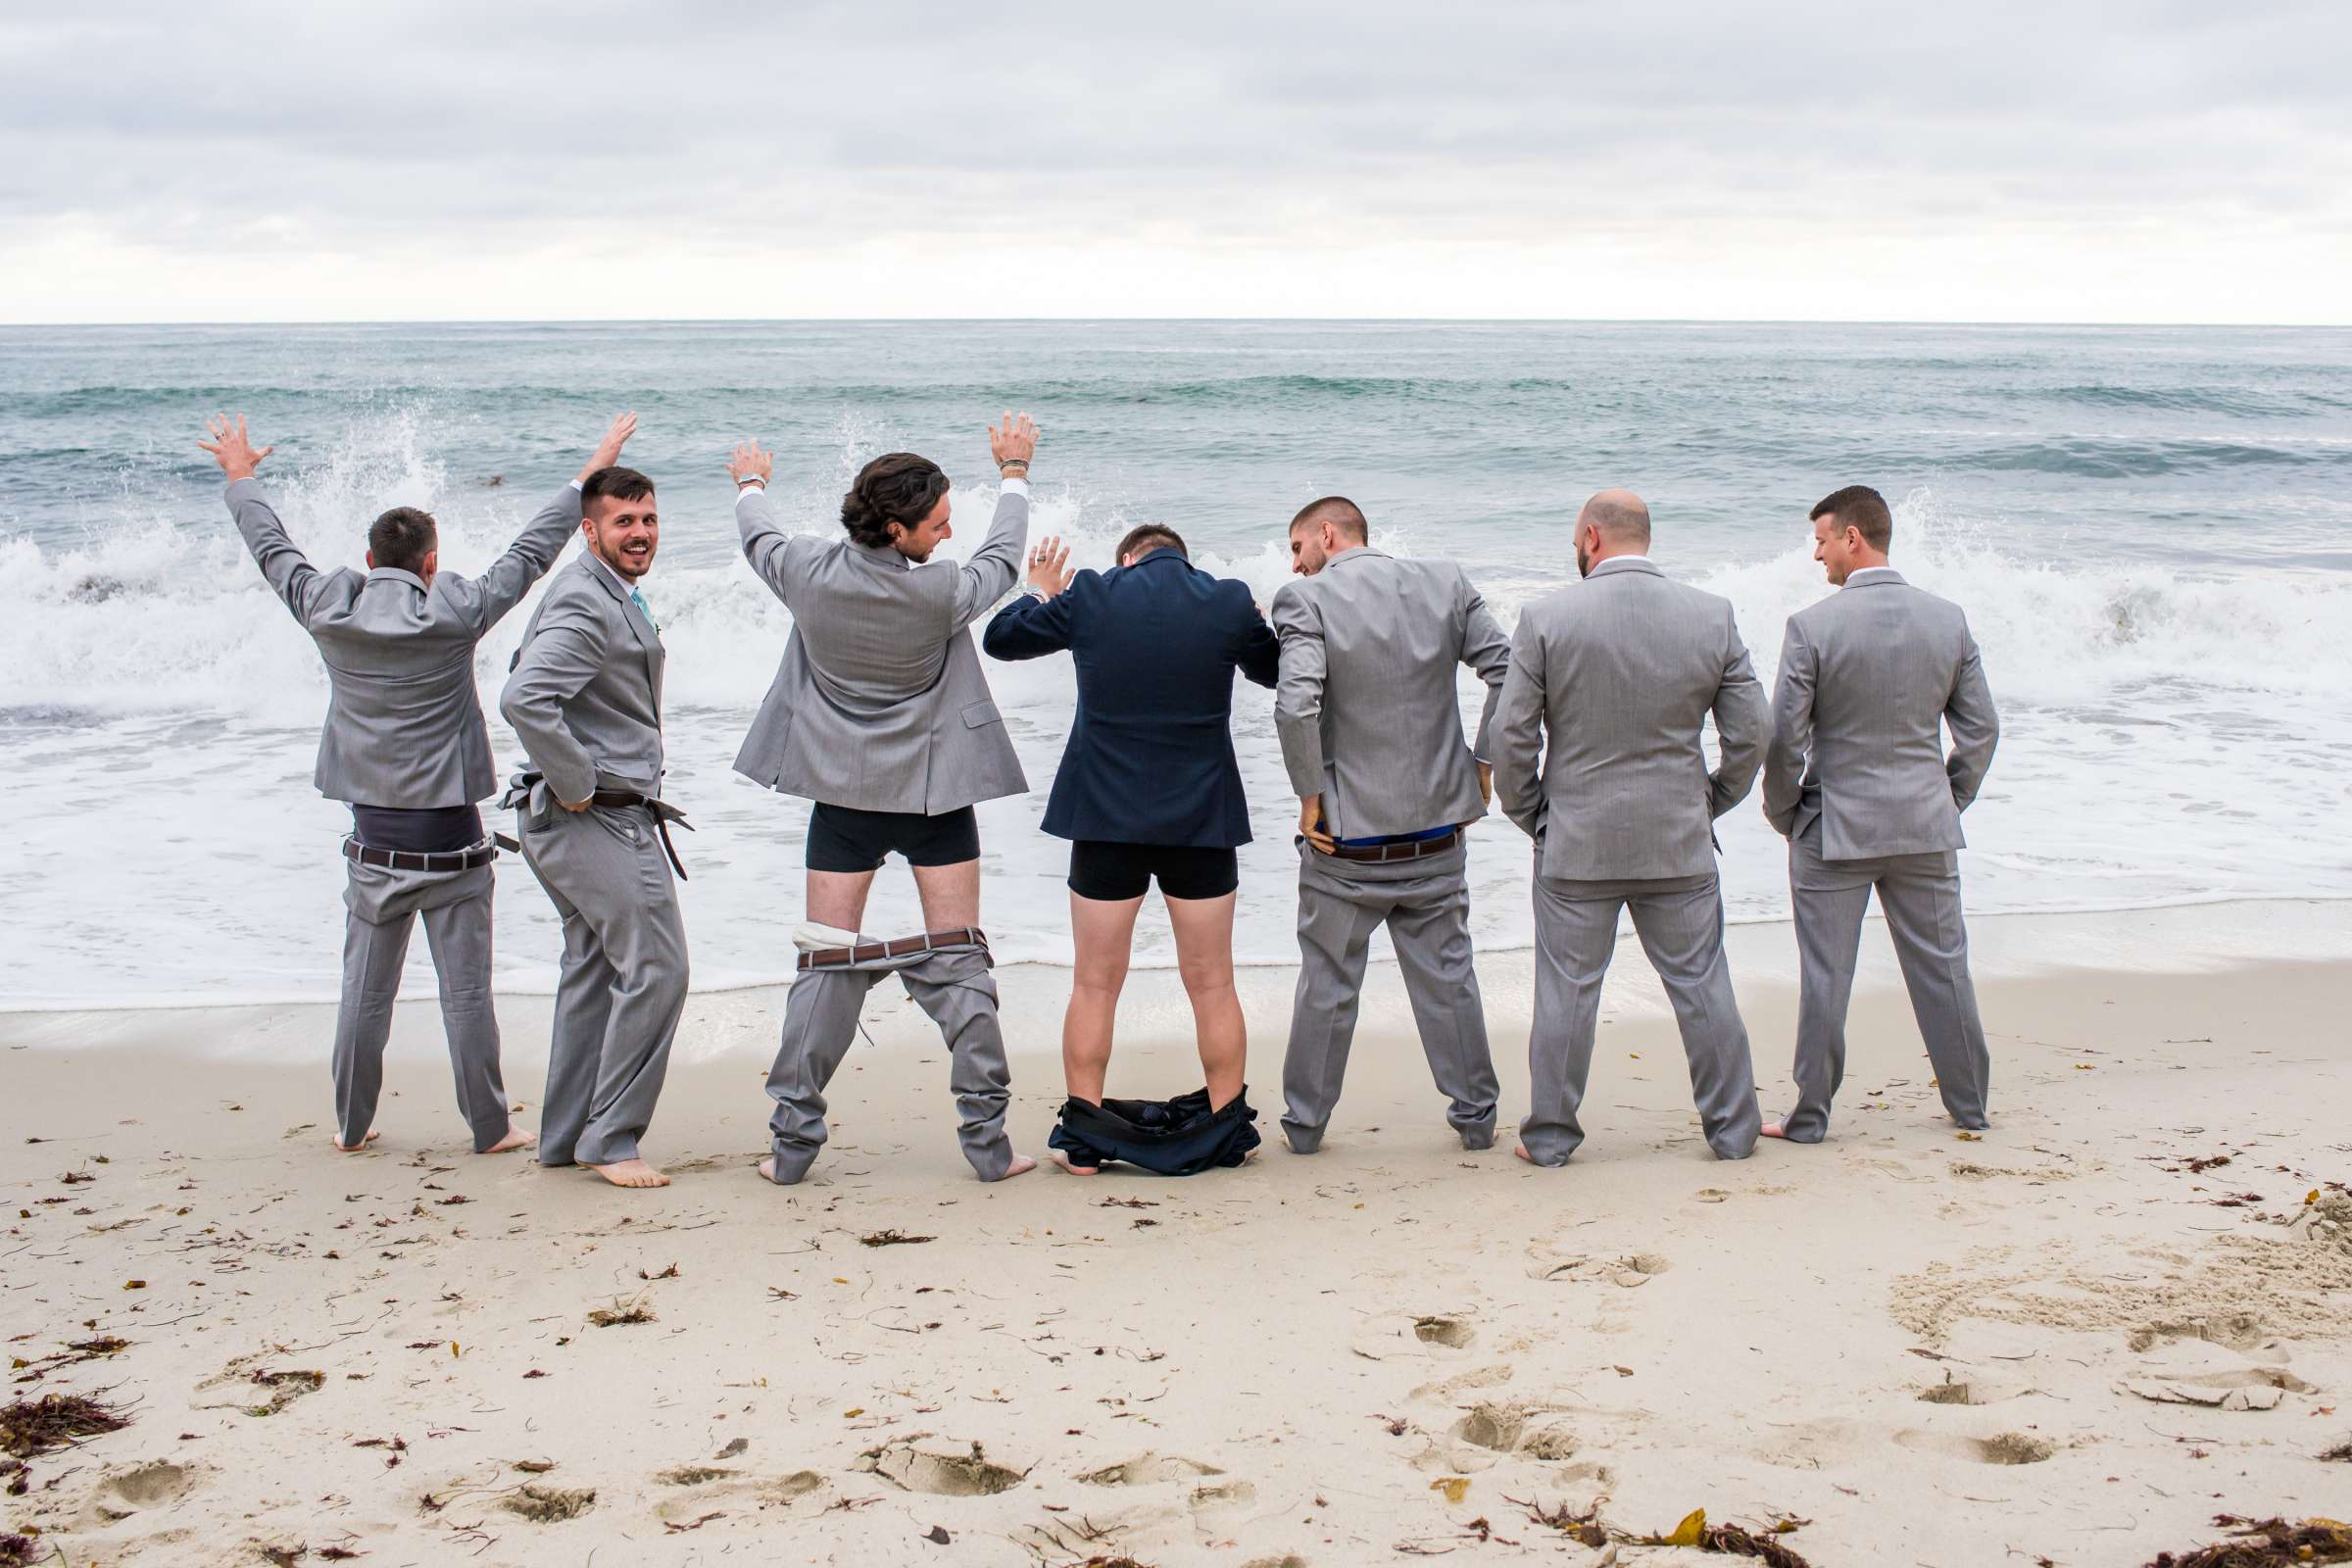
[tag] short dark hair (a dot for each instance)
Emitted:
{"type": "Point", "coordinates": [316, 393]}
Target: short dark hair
{"type": "Point", "coordinates": [1341, 512]}
{"type": "Point", "coordinates": [896, 487]}
{"type": "Point", "coordinates": [1860, 508]}
{"type": "Point", "coordinates": [402, 538]}
{"type": "Point", "coordinates": [621, 484]}
{"type": "Point", "coordinates": [1150, 539]}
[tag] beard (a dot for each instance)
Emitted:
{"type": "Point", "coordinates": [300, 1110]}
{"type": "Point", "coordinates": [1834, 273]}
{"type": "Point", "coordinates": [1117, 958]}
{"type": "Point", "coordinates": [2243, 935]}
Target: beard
{"type": "Point", "coordinates": [1584, 562]}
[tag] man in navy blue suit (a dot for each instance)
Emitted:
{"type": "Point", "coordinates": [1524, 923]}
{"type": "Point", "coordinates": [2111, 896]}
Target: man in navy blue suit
{"type": "Point", "coordinates": [1148, 789]}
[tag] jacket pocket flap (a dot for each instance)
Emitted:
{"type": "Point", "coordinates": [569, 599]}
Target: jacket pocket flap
{"type": "Point", "coordinates": [976, 714]}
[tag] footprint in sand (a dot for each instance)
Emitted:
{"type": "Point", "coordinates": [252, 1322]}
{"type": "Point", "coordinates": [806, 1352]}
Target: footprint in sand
{"type": "Point", "coordinates": [1630, 1272]}
{"type": "Point", "coordinates": [2241, 1331]}
{"type": "Point", "coordinates": [1972, 1390]}
{"type": "Point", "coordinates": [939, 1475]}
{"type": "Point", "coordinates": [1219, 1496]}
{"type": "Point", "coordinates": [1451, 1332]}
{"type": "Point", "coordinates": [1398, 1337]}
{"type": "Point", "coordinates": [708, 1493]}
{"type": "Point", "coordinates": [1150, 1469]}
{"type": "Point", "coordinates": [128, 1492]}
{"type": "Point", "coordinates": [2006, 1448]}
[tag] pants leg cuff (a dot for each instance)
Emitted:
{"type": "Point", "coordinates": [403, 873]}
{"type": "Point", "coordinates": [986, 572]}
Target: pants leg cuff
{"type": "Point", "coordinates": [1477, 1136]}
{"type": "Point", "coordinates": [791, 1164]}
{"type": "Point", "coordinates": [1303, 1140]}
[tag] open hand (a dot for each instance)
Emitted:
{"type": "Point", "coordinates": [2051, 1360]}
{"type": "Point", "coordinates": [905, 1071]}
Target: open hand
{"type": "Point", "coordinates": [1311, 824]}
{"type": "Point", "coordinates": [1049, 569]}
{"type": "Point", "coordinates": [1013, 441]}
{"type": "Point", "coordinates": [616, 436]}
{"type": "Point", "coordinates": [233, 449]}
{"type": "Point", "coordinates": [750, 463]}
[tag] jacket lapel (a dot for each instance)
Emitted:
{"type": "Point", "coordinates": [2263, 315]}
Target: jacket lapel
{"type": "Point", "coordinates": [649, 641]}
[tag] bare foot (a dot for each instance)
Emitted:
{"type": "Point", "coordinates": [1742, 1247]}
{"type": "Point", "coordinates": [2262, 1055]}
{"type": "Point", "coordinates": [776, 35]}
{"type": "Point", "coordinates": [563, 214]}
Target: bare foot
{"type": "Point", "coordinates": [517, 1138]}
{"type": "Point", "coordinates": [1063, 1160]}
{"type": "Point", "coordinates": [1521, 1150]}
{"type": "Point", "coordinates": [1021, 1163]}
{"type": "Point", "coordinates": [353, 1149]}
{"type": "Point", "coordinates": [631, 1173]}
{"type": "Point", "coordinates": [767, 1169]}
{"type": "Point", "coordinates": [1775, 1129]}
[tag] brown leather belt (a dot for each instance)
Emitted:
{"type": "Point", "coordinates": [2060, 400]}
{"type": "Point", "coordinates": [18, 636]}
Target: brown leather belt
{"type": "Point", "coordinates": [963, 936]}
{"type": "Point", "coordinates": [1410, 849]}
{"type": "Point", "coordinates": [420, 859]}
{"type": "Point", "coordinates": [661, 810]}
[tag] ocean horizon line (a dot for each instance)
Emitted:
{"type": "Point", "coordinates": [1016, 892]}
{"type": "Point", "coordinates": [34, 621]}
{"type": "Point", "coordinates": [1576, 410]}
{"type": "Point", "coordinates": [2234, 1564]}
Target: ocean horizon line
{"type": "Point", "coordinates": [1903, 323]}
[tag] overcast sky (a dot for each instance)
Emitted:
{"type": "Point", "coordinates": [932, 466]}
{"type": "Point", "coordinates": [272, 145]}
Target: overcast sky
{"type": "Point", "coordinates": [2140, 162]}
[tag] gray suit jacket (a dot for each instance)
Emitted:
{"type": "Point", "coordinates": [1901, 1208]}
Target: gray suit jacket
{"type": "Point", "coordinates": [1866, 676]}
{"type": "Point", "coordinates": [1597, 745]}
{"type": "Point", "coordinates": [404, 724]}
{"type": "Point", "coordinates": [879, 702]}
{"type": "Point", "coordinates": [585, 692]}
{"type": "Point", "coordinates": [1366, 706]}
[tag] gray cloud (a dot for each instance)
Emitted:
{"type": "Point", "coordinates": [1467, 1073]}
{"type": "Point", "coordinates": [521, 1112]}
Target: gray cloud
{"type": "Point", "coordinates": [240, 129]}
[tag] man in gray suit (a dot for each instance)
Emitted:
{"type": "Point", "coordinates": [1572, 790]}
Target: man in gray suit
{"type": "Point", "coordinates": [405, 747]}
{"type": "Point", "coordinates": [1371, 731]}
{"type": "Point", "coordinates": [1598, 756]}
{"type": "Point", "coordinates": [880, 716]}
{"type": "Point", "coordinates": [585, 700]}
{"type": "Point", "coordinates": [1858, 781]}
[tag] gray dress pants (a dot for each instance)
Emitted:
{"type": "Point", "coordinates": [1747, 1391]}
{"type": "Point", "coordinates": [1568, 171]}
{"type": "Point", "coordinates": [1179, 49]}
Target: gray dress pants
{"type": "Point", "coordinates": [956, 987]}
{"type": "Point", "coordinates": [382, 906]}
{"type": "Point", "coordinates": [623, 983]}
{"type": "Point", "coordinates": [1680, 922]}
{"type": "Point", "coordinates": [1426, 905]}
{"type": "Point", "coordinates": [1920, 896]}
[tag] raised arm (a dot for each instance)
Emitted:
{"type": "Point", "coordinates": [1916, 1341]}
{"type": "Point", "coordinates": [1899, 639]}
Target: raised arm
{"type": "Point", "coordinates": [565, 652]}
{"type": "Point", "coordinates": [1486, 650]}
{"type": "Point", "coordinates": [1742, 723]}
{"type": "Point", "coordinates": [1791, 743]}
{"type": "Point", "coordinates": [764, 542]}
{"type": "Point", "coordinates": [1974, 725]}
{"type": "Point", "coordinates": [1518, 733]}
{"type": "Point", "coordinates": [1038, 622]}
{"type": "Point", "coordinates": [287, 571]}
{"type": "Point", "coordinates": [998, 562]}
{"type": "Point", "coordinates": [535, 550]}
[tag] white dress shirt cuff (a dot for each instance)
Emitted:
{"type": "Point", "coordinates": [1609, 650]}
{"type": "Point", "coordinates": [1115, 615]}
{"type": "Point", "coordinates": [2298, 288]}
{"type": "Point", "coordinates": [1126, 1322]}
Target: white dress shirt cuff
{"type": "Point", "coordinates": [755, 488]}
{"type": "Point", "coordinates": [1012, 487]}
{"type": "Point", "coordinates": [581, 485]}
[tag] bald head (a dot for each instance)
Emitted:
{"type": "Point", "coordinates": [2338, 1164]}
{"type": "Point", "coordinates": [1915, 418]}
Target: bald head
{"type": "Point", "coordinates": [1614, 522]}
{"type": "Point", "coordinates": [1621, 517]}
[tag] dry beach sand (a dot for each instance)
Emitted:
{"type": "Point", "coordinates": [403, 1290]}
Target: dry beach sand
{"type": "Point", "coordinates": [2075, 1340]}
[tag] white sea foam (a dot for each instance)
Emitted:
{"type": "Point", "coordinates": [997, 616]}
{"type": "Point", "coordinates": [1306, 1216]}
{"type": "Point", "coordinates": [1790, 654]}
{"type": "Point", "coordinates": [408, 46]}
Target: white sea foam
{"type": "Point", "coordinates": [2168, 738]}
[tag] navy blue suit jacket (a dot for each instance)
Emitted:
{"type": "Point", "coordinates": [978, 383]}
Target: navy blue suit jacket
{"type": "Point", "coordinates": [1151, 752]}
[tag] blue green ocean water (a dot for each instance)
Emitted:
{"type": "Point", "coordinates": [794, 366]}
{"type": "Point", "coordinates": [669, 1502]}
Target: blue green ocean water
{"type": "Point", "coordinates": [2150, 530]}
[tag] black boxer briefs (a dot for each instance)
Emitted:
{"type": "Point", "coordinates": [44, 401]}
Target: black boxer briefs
{"type": "Point", "coordinates": [843, 838]}
{"type": "Point", "coordinates": [1114, 872]}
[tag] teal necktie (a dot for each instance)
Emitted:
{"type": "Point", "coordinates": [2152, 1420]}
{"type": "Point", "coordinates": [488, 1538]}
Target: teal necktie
{"type": "Point", "coordinates": [637, 597]}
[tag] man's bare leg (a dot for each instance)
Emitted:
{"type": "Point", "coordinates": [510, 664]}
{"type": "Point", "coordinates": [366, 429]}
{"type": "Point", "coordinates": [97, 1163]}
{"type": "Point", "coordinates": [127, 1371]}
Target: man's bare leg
{"type": "Point", "coordinates": [838, 898]}
{"type": "Point", "coordinates": [353, 1149]}
{"type": "Point", "coordinates": [1204, 930]}
{"type": "Point", "coordinates": [517, 1138]}
{"type": "Point", "coordinates": [631, 1173]}
{"type": "Point", "coordinates": [1102, 931]}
